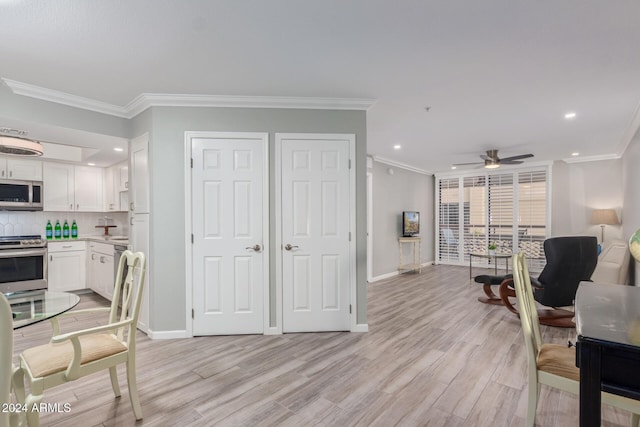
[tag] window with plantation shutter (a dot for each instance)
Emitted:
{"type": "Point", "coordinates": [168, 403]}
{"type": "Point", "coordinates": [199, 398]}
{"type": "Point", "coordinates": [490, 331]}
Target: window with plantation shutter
{"type": "Point", "coordinates": [532, 216]}
{"type": "Point", "coordinates": [507, 209]}
{"type": "Point", "coordinates": [500, 220]}
{"type": "Point", "coordinates": [475, 214]}
{"type": "Point", "coordinates": [448, 219]}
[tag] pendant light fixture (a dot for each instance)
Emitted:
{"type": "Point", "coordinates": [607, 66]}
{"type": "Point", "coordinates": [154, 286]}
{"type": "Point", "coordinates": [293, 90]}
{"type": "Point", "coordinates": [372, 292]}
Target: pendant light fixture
{"type": "Point", "coordinates": [13, 142]}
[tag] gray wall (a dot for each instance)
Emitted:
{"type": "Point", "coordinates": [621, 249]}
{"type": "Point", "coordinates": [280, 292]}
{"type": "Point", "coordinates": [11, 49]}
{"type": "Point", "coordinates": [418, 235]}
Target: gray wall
{"type": "Point", "coordinates": [36, 111]}
{"type": "Point", "coordinates": [403, 191]}
{"type": "Point", "coordinates": [167, 174]}
{"type": "Point", "coordinates": [577, 189]}
{"type": "Point", "coordinates": [631, 184]}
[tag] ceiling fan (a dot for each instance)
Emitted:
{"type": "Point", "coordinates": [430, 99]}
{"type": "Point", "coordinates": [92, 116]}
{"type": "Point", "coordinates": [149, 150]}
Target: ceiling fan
{"type": "Point", "coordinates": [492, 161]}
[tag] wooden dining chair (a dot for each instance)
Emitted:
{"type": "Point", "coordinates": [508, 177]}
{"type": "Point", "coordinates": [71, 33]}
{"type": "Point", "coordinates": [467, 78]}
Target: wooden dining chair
{"type": "Point", "coordinates": [11, 376]}
{"type": "Point", "coordinates": [551, 364]}
{"type": "Point", "coordinates": [70, 356]}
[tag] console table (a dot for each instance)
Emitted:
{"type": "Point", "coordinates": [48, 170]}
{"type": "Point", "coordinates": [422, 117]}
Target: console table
{"type": "Point", "coordinates": [417, 253]}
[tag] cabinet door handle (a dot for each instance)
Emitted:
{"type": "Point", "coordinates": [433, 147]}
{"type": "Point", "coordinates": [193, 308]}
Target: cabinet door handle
{"type": "Point", "coordinates": [126, 185]}
{"type": "Point", "coordinates": [66, 246]}
{"type": "Point", "coordinates": [71, 206]}
{"type": "Point", "coordinates": [78, 207]}
{"type": "Point", "coordinates": [2, 173]}
{"type": "Point", "coordinates": [50, 258]}
{"type": "Point", "coordinates": [131, 206]}
{"type": "Point", "coordinates": [131, 221]}
{"type": "Point", "coordinates": [93, 257]}
{"type": "Point", "coordinates": [101, 260]}
{"type": "Point", "coordinates": [10, 173]}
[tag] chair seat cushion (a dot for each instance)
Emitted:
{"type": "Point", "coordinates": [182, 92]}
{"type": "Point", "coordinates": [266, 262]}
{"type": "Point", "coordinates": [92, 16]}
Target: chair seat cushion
{"type": "Point", "coordinates": [50, 358]}
{"type": "Point", "coordinates": [559, 360]}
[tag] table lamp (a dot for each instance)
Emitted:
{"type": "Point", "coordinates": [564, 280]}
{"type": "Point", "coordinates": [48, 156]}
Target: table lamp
{"type": "Point", "coordinates": [604, 217]}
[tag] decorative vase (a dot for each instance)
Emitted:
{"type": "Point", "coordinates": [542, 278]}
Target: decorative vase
{"type": "Point", "coordinates": [491, 251]}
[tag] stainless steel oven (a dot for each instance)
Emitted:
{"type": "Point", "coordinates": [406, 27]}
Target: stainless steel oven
{"type": "Point", "coordinates": [23, 263]}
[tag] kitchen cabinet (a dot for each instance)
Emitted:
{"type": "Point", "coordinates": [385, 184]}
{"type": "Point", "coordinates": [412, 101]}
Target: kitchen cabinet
{"type": "Point", "coordinates": [139, 241]}
{"type": "Point", "coordinates": [101, 276]}
{"type": "Point", "coordinates": [139, 175]}
{"type": "Point", "coordinates": [116, 181]}
{"type": "Point", "coordinates": [67, 266]}
{"type": "Point", "coordinates": [30, 170]}
{"type": "Point", "coordinates": [69, 188]}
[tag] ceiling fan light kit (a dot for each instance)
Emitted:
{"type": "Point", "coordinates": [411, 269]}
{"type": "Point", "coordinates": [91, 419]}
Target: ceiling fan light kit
{"type": "Point", "coordinates": [18, 145]}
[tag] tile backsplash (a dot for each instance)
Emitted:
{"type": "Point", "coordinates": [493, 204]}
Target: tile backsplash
{"type": "Point", "coordinates": [14, 223]}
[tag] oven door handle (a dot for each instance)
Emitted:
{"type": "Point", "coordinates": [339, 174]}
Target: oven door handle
{"type": "Point", "coordinates": [23, 253]}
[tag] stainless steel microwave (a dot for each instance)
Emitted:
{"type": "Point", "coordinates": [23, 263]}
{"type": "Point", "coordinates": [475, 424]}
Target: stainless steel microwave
{"type": "Point", "coordinates": [18, 195]}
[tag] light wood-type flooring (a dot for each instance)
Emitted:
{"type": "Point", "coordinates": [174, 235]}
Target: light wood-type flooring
{"type": "Point", "coordinates": [433, 356]}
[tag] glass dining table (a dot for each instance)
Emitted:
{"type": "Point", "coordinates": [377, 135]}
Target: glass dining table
{"type": "Point", "coordinates": [35, 306]}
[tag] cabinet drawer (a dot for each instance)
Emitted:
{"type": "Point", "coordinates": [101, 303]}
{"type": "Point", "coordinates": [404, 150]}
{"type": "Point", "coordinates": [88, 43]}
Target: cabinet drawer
{"type": "Point", "coordinates": [102, 248]}
{"type": "Point", "coordinates": [66, 246]}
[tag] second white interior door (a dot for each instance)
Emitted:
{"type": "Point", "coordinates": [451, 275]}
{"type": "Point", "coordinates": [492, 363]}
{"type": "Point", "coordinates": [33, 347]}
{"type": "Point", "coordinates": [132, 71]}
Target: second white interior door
{"type": "Point", "coordinates": [315, 218]}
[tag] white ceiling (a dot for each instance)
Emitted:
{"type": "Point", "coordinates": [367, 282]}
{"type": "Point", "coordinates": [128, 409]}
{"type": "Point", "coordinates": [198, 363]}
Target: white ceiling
{"type": "Point", "coordinates": [495, 73]}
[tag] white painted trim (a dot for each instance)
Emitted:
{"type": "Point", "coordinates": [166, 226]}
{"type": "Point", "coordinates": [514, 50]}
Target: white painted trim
{"type": "Point", "coordinates": [63, 98]}
{"type": "Point", "coordinates": [632, 129]}
{"type": "Point", "coordinates": [361, 327]}
{"type": "Point", "coordinates": [508, 168]}
{"type": "Point", "coordinates": [369, 226]}
{"type": "Point", "coordinates": [272, 331]}
{"type": "Point", "coordinates": [396, 273]}
{"type": "Point", "coordinates": [279, 137]}
{"type": "Point", "coordinates": [264, 137]}
{"type": "Point", "coordinates": [146, 100]}
{"type": "Point", "coordinates": [579, 159]}
{"type": "Point", "coordinates": [400, 165]}
{"type": "Point", "coordinates": [168, 335]}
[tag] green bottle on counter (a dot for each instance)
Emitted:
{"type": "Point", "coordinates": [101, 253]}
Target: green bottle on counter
{"type": "Point", "coordinates": [74, 230]}
{"type": "Point", "coordinates": [65, 230]}
{"type": "Point", "coordinates": [58, 230]}
{"type": "Point", "coordinates": [49, 230]}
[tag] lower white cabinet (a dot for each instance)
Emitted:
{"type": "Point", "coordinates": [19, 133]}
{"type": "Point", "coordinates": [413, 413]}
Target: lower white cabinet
{"type": "Point", "coordinates": [67, 265]}
{"type": "Point", "coordinates": [101, 276]}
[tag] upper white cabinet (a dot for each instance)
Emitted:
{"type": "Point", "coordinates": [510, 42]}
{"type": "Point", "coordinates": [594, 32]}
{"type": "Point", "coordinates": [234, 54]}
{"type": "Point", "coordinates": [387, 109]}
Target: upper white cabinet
{"type": "Point", "coordinates": [72, 188]}
{"type": "Point", "coordinates": [116, 181]}
{"type": "Point", "coordinates": [139, 175]}
{"type": "Point", "coordinates": [30, 170]}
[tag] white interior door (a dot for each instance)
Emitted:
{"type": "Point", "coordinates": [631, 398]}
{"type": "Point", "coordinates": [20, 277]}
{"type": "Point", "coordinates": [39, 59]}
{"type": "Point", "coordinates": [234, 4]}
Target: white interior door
{"type": "Point", "coordinates": [228, 208]}
{"type": "Point", "coordinates": [315, 233]}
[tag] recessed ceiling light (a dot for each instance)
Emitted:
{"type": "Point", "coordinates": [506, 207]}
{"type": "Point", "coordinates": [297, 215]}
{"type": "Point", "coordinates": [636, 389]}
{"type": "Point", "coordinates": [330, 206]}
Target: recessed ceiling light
{"type": "Point", "coordinates": [570, 115]}
{"type": "Point", "coordinates": [454, 167]}
{"type": "Point", "coordinates": [118, 149]}
{"type": "Point", "coordinates": [91, 164]}
{"type": "Point", "coordinates": [575, 154]}
{"type": "Point", "coordinates": [397, 147]}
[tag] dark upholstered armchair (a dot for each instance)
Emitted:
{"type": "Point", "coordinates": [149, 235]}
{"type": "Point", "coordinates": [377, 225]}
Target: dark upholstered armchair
{"type": "Point", "coordinates": [570, 260]}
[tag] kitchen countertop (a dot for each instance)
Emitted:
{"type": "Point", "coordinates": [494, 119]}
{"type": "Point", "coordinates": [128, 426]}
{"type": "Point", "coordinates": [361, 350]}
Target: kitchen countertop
{"type": "Point", "coordinates": [114, 240]}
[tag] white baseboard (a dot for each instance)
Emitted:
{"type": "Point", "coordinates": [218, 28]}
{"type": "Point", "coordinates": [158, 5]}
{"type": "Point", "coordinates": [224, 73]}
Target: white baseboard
{"type": "Point", "coordinates": [361, 327]}
{"type": "Point", "coordinates": [167, 335]}
{"type": "Point", "coordinates": [273, 331]}
{"type": "Point", "coordinates": [395, 273]}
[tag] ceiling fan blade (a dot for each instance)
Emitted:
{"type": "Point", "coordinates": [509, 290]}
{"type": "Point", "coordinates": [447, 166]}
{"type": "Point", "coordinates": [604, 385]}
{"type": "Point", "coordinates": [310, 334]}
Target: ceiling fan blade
{"type": "Point", "coordinates": [522, 156]}
{"type": "Point", "coordinates": [467, 164]}
{"type": "Point", "coordinates": [511, 162]}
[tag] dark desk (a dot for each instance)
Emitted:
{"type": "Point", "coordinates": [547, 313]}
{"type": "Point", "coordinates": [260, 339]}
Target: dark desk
{"type": "Point", "coordinates": [608, 348]}
{"type": "Point", "coordinates": [35, 306]}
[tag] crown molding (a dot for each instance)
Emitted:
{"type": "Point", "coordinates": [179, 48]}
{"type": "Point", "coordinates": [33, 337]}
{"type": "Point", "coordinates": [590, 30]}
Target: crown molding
{"type": "Point", "coordinates": [147, 100]}
{"type": "Point", "coordinates": [63, 98]}
{"type": "Point", "coordinates": [592, 158]}
{"type": "Point", "coordinates": [632, 129]}
{"type": "Point", "coordinates": [389, 162]}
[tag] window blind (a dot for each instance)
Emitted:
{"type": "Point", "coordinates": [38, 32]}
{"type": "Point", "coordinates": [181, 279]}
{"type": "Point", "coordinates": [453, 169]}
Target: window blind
{"type": "Point", "coordinates": [448, 219]}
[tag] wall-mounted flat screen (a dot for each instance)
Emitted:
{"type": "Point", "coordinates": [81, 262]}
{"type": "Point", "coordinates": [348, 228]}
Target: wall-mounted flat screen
{"type": "Point", "coordinates": [410, 223]}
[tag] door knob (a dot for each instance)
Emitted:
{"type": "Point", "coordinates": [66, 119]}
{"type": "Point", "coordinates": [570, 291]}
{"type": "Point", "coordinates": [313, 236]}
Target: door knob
{"type": "Point", "coordinates": [288, 247]}
{"type": "Point", "coordinates": [254, 248]}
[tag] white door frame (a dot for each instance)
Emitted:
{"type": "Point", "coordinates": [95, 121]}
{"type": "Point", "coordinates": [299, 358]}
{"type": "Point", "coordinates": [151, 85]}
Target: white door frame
{"type": "Point", "coordinates": [188, 226]}
{"type": "Point", "coordinates": [279, 137]}
{"type": "Point", "coordinates": [369, 227]}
